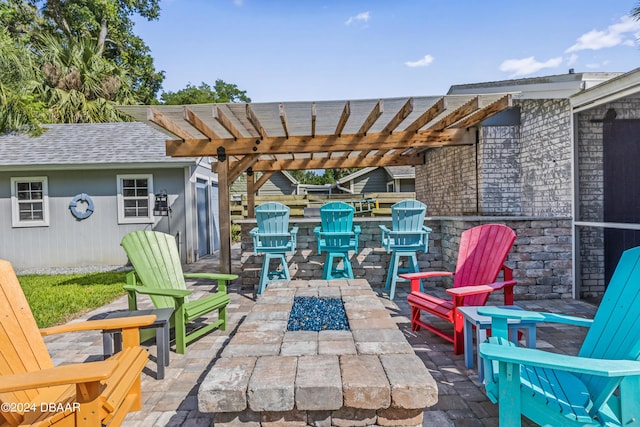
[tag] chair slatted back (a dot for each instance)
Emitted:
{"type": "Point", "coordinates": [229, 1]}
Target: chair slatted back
{"type": "Point", "coordinates": [22, 349]}
{"type": "Point", "coordinates": [481, 254]}
{"type": "Point", "coordinates": [154, 256]}
{"type": "Point", "coordinates": [408, 215]}
{"type": "Point", "coordinates": [337, 217]}
{"type": "Point", "coordinates": [615, 332]}
{"type": "Point", "coordinates": [273, 224]}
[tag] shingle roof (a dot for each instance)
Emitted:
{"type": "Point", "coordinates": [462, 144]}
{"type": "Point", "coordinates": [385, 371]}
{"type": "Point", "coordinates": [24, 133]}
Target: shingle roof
{"type": "Point", "coordinates": [401, 171]}
{"type": "Point", "coordinates": [87, 144]}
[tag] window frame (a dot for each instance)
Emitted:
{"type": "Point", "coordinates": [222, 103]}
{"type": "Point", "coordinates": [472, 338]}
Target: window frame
{"type": "Point", "coordinates": [122, 219]}
{"type": "Point", "coordinates": [16, 222]}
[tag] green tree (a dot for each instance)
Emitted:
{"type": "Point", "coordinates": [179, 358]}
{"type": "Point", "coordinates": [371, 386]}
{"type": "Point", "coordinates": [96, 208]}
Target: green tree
{"type": "Point", "coordinates": [204, 94]}
{"type": "Point", "coordinates": [108, 23]}
{"type": "Point", "coordinates": [20, 109]}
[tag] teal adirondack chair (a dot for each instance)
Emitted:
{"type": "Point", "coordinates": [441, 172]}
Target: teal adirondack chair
{"type": "Point", "coordinates": [337, 236]}
{"type": "Point", "coordinates": [407, 236]}
{"type": "Point", "coordinates": [158, 273]}
{"type": "Point", "coordinates": [598, 387]}
{"type": "Point", "coordinates": [273, 238]}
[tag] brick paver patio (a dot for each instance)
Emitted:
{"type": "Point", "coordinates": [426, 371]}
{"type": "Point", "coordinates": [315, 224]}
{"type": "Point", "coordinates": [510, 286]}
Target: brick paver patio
{"type": "Point", "coordinates": [173, 400]}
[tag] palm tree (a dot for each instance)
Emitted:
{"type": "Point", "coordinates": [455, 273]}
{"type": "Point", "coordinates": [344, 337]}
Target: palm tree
{"type": "Point", "coordinates": [79, 85]}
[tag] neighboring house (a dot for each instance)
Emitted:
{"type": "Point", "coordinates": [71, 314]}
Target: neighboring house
{"type": "Point", "coordinates": [281, 183]}
{"type": "Point", "coordinates": [386, 179]}
{"type": "Point", "coordinates": [68, 196]}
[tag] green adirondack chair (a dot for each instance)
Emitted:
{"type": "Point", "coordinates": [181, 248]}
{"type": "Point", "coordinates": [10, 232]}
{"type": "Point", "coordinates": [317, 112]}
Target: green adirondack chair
{"type": "Point", "coordinates": [158, 274]}
{"type": "Point", "coordinates": [598, 387]}
{"type": "Point", "coordinates": [337, 236]}
{"type": "Point", "coordinates": [407, 236]}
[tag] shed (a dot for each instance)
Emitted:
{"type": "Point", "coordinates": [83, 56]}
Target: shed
{"type": "Point", "coordinates": [69, 195]}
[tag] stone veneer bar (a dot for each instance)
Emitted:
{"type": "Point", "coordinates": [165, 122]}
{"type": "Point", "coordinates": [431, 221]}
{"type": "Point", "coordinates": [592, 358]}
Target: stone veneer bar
{"type": "Point", "coordinates": [369, 375]}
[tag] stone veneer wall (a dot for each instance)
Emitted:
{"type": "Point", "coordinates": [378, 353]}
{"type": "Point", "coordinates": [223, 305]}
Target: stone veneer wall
{"type": "Point", "coordinates": [541, 257]}
{"type": "Point", "coordinates": [590, 203]}
{"type": "Point", "coordinates": [522, 170]}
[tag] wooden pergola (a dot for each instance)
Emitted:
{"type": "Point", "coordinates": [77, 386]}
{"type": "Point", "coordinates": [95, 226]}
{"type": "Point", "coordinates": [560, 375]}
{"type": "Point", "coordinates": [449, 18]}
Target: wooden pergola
{"type": "Point", "coordinates": [269, 137]}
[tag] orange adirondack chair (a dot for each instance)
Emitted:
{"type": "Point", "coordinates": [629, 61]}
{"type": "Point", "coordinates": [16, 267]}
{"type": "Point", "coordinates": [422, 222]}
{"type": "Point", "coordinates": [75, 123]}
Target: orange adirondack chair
{"type": "Point", "coordinates": [481, 257]}
{"type": "Point", "coordinates": [34, 392]}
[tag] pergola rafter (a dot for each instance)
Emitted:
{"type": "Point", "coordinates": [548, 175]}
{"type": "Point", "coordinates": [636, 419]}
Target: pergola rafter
{"type": "Point", "coordinates": [268, 137]}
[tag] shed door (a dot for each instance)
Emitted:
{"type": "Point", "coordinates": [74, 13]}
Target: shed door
{"type": "Point", "coordinates": [204, 234]}
{"type": "Point", "coordinates": [621, 188]}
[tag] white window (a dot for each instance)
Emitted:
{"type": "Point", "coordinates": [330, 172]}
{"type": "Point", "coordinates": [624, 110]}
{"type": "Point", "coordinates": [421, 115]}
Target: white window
{"type": "Point", "coordinates": [390, 187]}
{"type": "Point", "coordinates": [135, 198]}
{"type": "Point", "coordinates": [29, 202]}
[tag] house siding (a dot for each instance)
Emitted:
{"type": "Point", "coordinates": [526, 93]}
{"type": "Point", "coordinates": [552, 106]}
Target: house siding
{"type": "Point", "coordinates": [95, 241]}
{"type": "Point", "coordinates": [373, 182]}
{"type": "Point", "coordinates": [277, 185]}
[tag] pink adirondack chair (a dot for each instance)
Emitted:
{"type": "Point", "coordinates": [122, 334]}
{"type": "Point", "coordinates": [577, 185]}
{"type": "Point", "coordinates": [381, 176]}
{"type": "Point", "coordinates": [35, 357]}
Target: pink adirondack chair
{"type": "Point", "coordinates": [481, 257]}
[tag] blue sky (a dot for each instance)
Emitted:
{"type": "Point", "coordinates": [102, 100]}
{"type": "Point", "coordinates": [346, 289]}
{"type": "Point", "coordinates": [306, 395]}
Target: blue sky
{"type": "Point", "coordinates": [306, 50]}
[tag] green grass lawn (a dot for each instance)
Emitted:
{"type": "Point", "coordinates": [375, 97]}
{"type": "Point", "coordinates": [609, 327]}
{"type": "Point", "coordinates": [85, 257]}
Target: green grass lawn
{"type": "Point", "coordinates": [56, 299]}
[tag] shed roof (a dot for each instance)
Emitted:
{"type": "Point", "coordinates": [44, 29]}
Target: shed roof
{"type": "Point", "coordinates": [74, 146]}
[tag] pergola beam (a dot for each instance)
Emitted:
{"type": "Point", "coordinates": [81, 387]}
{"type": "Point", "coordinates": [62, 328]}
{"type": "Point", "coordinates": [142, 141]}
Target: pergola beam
{"type": "Point", "coordinates": [428, 115]}
{"type": "Point", "coordinates": [402, 114]}
{"type": "Point", "coordinates": [226, 122]}
{"type": "Point", "coordinates": [344, 116]}
{"type": "Point", "coordinates": [166, 123]}
{"type": "Point", "coordinates": [335, 163]}
{"type": "Point", "coordinates": [194, 120]}
{"type": "Point", "coordinates": [237, 168]}
{"type": "Point", "coordinates": [306, 144]}
{"type": "Point", "coordinates": [283, 120]}
{"type": "Point", "coordinates": [485, 112]}
{"type": "Point", "coordinates": [255, 122]}
{"type": "Point", "coordinates": [261, 181]}
{"type": "Point", "coordinates": [375, 113]}
{"type": "Point", "coordinates": [459, 113]}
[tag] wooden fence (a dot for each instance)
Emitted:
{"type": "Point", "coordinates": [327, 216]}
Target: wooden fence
{"type": "Point", "coordinates": [369, 204]}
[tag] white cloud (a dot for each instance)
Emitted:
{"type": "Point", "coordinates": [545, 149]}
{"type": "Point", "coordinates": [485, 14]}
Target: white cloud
{"type": "Point", "coordinates": [572, 59]}
{"type": "Point", "coordinates": [361, 17]}
{"type": "Point", "coordinates": [615, 35]}
{"type": "Point", "coordinates": [238, 3]}
{"type": "Point", "coordinates": [423, 62]}
{"type": "Point", "coordinates": [524, 66]}
{"type": "Point", "coordinates": [595, 65]}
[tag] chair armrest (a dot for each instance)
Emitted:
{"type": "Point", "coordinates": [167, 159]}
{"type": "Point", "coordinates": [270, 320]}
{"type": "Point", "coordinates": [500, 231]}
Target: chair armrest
{"type": "Point", "coordinates": [425, 275]}
{"type": "Point", "coordinates": [103, 325]}
{"type": "Point", "coordinates": [60, 375]}
{"type": "Point", "coordinates": [384, 228]}
{"type": "Point", "coordinates": [253, 231]}
{"type": "Point", "coordinates": [534, 316]}
{"type": "Point", "coordinates": [426, 229]}
{"type": "Point", "coordinates": [463, 291]}
{"type": "Point", "coordinates": [294, 230]}
{"type": "Point", "coordinates": [543, 359]}
{"type": "Point", "coordinates": [211, 276]}
{"type": "Point", "coordinates": [357, 229]}
{"type": "Point", "coordinates": [317, 229]}
{"type": "Point", "coordinates": [174, 293]}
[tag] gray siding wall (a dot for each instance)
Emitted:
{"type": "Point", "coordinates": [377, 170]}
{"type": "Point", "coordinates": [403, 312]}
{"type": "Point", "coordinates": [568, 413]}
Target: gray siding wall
{"type": "Point", "coordinates": [590, 202]}
{"type": "Point", "coordinates": [277, 185]}
{"type": "Point", "coordinates": [95, 241]}
{"type": "Point", "coordinates": [373, 182]}
{"type": "Point", "coordinates": [407, 186]}
{"type": "Point", "coordinates": [522, 170]}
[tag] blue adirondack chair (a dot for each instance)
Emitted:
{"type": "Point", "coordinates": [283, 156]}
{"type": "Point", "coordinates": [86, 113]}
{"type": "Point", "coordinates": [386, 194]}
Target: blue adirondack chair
{"type": "Point", "coordinates": [273, 238]}
{"type": "Point", "coordinates": [407, 236]}
{"type": "Point", "coordinates": [598, 387]}
{"type": "Point", "coordinates": [337, 236]}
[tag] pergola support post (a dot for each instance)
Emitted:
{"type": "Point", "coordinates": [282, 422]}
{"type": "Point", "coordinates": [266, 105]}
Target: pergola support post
{"type": "Point", "coordinates": [224, 214]}
{"type": "Point", "coordinates": [251, 194]}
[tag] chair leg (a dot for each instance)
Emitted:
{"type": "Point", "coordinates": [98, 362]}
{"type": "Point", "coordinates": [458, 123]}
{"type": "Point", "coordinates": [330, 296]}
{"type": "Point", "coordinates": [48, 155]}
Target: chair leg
{"type": "Point", "coordinates": [181, 332]}
{"type": "Point", "coordinates": [347, 266]}
{"type": "Point", "coordinates": [392, 262]}
{"type": "Point", "coordinates": [326, 270]}
{"type": "Point", "coordinates": [393, 272]}
{"type": "Point", "coordinates": [415, 317]}
{"type": "Point", "coordinates": [458, 333]}
{"type": "Point", "coordinates": [264, 273]}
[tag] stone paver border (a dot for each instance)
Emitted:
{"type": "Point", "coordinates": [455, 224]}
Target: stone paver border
{"type": "Point", "coordinates": [368, 375]}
